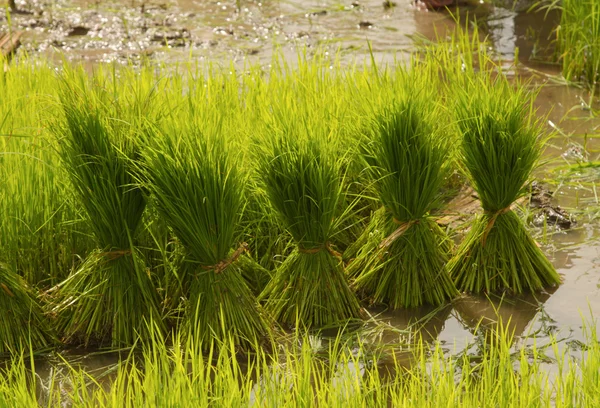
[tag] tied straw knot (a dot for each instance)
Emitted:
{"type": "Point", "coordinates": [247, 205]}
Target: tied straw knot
{"type": "Point", "coordinates": [224, 264]}
{"type": "Point", "coordinates": [7, 290]}
{"type": "Point", "coordinates": [325, 247]}
{"type": "Point", "coordinates": [403, 226]}
{"type": "Point", "coordinates": [118, 253]}
{"type": "Point", "coordinates": [493, 217]}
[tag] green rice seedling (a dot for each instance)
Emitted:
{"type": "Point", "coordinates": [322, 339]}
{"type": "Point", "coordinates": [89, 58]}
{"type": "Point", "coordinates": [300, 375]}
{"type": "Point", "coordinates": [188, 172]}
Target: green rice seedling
{"type": "Point", "coordinates": [22, 321]}
{"type": "Point", "coordinates": [110, 297]}
{"type": "Point", "coordinates": [339, 373]}
{"type": "Point", "coordinates": [264, 234]}
{"type": "Point", "coordinates": [501, 142]}
{"type": "Point", "coordinates": [16, 383]}
{"type": "Point", "coordinates": [403, 262]}
{"type": "Point", "coordinates": [301, 176]}
{"type": "Point", "coordinates": [579, 40]}
{"type": "Point", "coordinates": [200, 194]}
{"type": "Point", "coordinates": [39, 228]}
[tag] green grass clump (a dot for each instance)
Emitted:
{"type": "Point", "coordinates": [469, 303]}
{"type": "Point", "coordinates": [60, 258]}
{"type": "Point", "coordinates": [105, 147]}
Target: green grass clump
{"type": "Point", "coordinates": [200, 194]}
{"type": "Point", "coordinates": [501, 143]}
{"type": "Point", "coordinates": [301, 176]}
{"type": "Point", "coordinates": [579, 40]}
{"type": "Point", "coordinates": [22, 321]}
{"type": "Point", "coordinates": [39, 228]}
{"type": "Point", "coordinates": [110, 296]}
{"type": "Point", "coordinates": [337, 373]}
{"type": "Point", "coordinates": [403, 264]}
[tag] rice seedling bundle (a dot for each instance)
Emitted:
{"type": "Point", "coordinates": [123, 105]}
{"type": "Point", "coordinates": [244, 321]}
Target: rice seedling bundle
{"type": "Point", "coordinates": [22, 322]}
{"type": "Point", "coordinates": [200, 194]}
{"type": "Point", "coordinates": [403, 262]}
{"type": "Point", "coordinates": [302, 179]}
{"type": "Point", "coordinates": [110, 297]}
{"type": "Point", "coordinates": [500, 146]}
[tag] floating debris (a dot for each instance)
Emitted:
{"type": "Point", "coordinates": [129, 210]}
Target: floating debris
{"type": "Point", "coordinates": [9, 42]}
{"type": "Point", "coordinates": [317, 13]}
{"type": "Point", "coordinates": [223, 31]}
{"type": "Point", "coordinates": [176, 38]}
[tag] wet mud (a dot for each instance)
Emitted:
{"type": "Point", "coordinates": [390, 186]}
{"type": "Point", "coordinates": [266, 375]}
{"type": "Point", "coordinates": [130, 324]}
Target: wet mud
{"type": "Point", "coordinates": [221, 31]}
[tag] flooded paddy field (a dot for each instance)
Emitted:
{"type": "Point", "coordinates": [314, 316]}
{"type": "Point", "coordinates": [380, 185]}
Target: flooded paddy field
{"type": "Point", "coordinates": [249, 33]}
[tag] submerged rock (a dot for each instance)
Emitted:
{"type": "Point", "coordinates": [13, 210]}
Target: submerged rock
{"type": "Point", "coordinates": [554, 216]}
{"type": "Point", "coordinates": [434, 4]}
{"type": "Point", "coordinates": [77, 31]}
{"type": "Point", "coordinates": [541, 198]}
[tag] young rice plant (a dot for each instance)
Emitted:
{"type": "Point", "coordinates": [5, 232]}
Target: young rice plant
{"type": "Point", "coordinates": [579, 40]}
{"type": "Point", "coordinates": [501, 142]}
{"type": "Point", "coordinates": [301, 176]}
{"type": "Point", "coordinates": [110, 296]}
{"type": "Point", "coordinates": [404, 261]}
{"type": "Point", "coordinates": [200, 194]}
{"type": "Point", "coordinates": [22, 322]}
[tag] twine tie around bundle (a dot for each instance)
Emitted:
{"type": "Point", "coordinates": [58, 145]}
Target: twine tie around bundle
{"type": "Point", "coordinates": [494, 216]}
{"type": "Point", "coordinates": [7, 290]}
{"type": "Point", "coordinates": [224, 264]}
{"type": "Point", "coordinates": [403, 226]}
{"type": "Point", "coordinates": [325, 247]}
{"type": "Point", "coordinates": [112, 255]}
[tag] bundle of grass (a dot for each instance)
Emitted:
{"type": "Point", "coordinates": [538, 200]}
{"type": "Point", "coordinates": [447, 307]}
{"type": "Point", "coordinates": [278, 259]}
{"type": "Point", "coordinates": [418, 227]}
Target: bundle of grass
{"type": "Point", "coordinates": [403, 263]}
{"type": "Point", "coordinates": [500, 146]}
{"type": "Point", "coordinates": [302, 179]}
{"type": "Point", "coordinates": [110, 297]}
{"type": "Point", "coordinates": [200, 194]}
{"type": "Point", "coordinates": [23, 325]}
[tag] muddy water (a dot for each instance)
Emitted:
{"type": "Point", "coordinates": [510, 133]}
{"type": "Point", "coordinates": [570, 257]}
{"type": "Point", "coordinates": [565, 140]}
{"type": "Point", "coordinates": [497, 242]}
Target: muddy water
{"type": "Point", "coordinates": [218, 31]}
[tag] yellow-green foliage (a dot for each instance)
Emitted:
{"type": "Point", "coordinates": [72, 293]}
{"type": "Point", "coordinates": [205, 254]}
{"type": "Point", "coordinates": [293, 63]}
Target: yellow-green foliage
{"type": "Point", "coordinates": [46, 230]}
{"type": "Point", "coordinates": [579, 40]}
{"type": "Point", "coordinates": [45, 234]}
{"type": "Point", "coordinates": [338, 373]}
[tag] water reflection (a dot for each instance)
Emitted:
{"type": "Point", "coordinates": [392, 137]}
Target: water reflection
{"type": "Point", "coordinates": [531, 33]}
{"type": "Point", "coordinates": [481, 313]}
{"type": "Point", "coordinates": [406, 327]}
{"type": "Point", "coordinates": [53, 372]}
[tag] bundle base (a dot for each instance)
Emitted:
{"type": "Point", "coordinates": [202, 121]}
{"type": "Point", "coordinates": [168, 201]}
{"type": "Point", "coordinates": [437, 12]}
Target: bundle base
{"type": "Point", "coordinates": [410, 272]}
{"type": "Point", "coordinates": [107, 301]}
{"type": "Point", "coordinates": [503, 257]}
{"type": "Point", "coordinates": [310, 290]}
{"type": "Point", "coordinates": [222, 308]}
{"type": "Point", "coordinates": [22, 322]}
